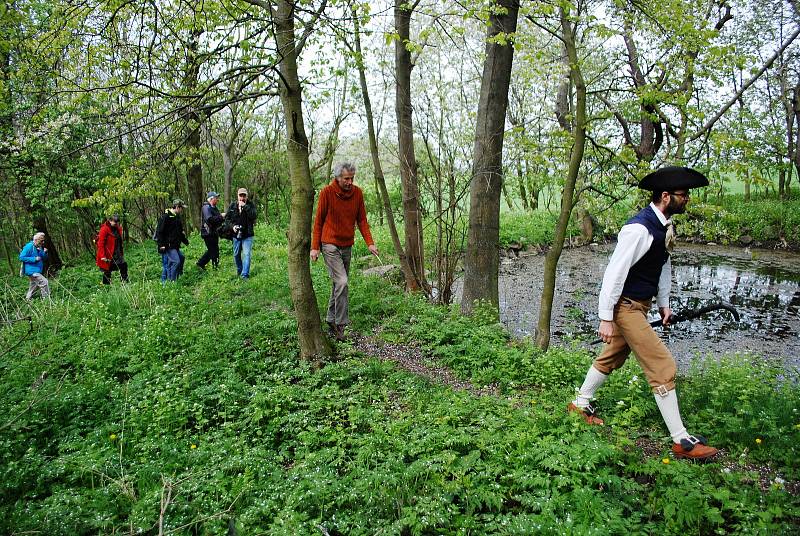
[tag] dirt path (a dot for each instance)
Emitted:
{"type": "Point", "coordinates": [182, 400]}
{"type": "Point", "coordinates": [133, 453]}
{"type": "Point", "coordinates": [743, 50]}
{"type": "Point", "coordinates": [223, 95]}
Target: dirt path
{"type": "Point", "coordinates": [411, 359]}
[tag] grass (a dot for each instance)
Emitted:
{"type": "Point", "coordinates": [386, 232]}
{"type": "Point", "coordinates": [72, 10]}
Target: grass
{"type": "Point", "coordinates": [183, 409]}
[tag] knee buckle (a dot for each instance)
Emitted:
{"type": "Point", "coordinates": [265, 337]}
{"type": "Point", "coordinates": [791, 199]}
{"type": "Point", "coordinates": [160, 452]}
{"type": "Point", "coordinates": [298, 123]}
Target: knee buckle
{"type": "Point", "coordinates": [662, 391]}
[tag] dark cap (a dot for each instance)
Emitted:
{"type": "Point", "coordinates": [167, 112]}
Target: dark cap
{"type": "Point", "coordinates": [177, 202]}
{"type": "Point", "coordinates": [671, 178]}
{"type": "Point", "coordinates": [211, 195]}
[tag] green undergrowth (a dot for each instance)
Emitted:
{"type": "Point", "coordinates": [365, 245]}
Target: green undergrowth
{"type": "Point", "coordinates": [764, 220]}
{"type": "Point", "coordinates": [183, 409]}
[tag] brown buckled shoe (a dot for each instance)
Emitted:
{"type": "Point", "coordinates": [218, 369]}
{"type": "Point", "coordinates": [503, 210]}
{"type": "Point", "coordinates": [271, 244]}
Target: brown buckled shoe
{"type": "Point", "coordinates": [693, 448]}
{"type": "Point", "coordinates": [587, 413]}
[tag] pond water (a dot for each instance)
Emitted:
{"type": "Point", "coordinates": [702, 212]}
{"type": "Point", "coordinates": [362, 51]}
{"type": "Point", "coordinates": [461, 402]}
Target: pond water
{"type": "Point", "coordinates": [763, 285]}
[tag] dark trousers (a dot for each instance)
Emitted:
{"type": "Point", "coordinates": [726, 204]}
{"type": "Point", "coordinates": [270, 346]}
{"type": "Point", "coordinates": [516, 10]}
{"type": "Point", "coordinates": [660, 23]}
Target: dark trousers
{"type": "Point", "coordinates": [212, 251]}
{"type": "Point", "coordinates": [123, 272]}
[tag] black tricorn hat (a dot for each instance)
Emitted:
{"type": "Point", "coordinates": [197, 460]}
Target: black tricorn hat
{"type": "Point", "coordinates": [671, 178]}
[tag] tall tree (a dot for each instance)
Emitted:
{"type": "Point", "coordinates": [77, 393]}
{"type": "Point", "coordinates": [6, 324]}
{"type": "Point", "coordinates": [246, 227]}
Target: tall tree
{"type": "Point", "coordinates": [358, 56]}
{"type": "Point", "coordinates": [578, 130]}
{"type": "Point", "coordinates": [412, 216]}
{"type": "Point", "coordinates": [481, 264]}
{"type": "Point", "coordinates": [313, 343]}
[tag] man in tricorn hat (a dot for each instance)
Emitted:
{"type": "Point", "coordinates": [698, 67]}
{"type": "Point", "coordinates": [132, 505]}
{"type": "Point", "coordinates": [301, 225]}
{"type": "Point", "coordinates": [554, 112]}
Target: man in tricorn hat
{"type": "Point", "coordinates": [640, 270]}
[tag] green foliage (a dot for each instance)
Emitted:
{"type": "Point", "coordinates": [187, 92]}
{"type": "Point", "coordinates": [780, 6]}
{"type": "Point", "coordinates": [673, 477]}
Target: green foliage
{"type": "Point", "coordinates": [766, 220]}
{"type": "Point", "coordinates": [188, 400]}
{"type": "Point", "coordinates": [529, 228]}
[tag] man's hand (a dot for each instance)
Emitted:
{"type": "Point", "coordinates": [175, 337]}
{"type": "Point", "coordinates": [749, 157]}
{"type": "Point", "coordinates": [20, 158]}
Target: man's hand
{"type": "Point", "coordinates": [314, 255]}
{"type": "Point", "coordinates": [162, 249]}
{"type": "Point", "coordinates": [223, 214]}
{"type": "Point", "coordinates": [38, 258]}
{"type": "Point", "coordinates": [241, 204]}
{"type": "Point", "coordinates": [666, 315]}
{"type": "Point", "coordinates": [606, 331]}
{"type": "Point", "coordinates": [373, 249]}
{"type": "Point", "coordinates": [105, 260]}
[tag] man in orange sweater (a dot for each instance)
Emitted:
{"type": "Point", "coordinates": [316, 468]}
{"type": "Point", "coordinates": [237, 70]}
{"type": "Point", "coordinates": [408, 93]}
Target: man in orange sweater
{"type": "Point", "coordinates": [339, 210]}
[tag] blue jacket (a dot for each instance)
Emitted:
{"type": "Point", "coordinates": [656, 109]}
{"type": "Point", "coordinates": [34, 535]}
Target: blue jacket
{"type": "Point", "coordinates": [28, 257]}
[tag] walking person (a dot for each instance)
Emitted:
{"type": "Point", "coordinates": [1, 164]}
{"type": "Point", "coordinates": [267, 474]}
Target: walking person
{"type": "Point", "coordinates": [33, 255]}
{"type": "Point", "coordinates": [211, 220]}
{"type": "Point", "coordinates": [339, 210]}
{"type": "Point", "coordinates": [639, 270]}
{"type": "Point", "coordinates": [242, 216]}
{"type": "Point", "coordinates": [169, 236]}
{"type": "Point", "coordinates": [110, 256]}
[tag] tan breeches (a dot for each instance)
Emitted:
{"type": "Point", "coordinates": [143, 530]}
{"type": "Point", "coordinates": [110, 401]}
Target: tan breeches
{"type": "Point", "coordinates": [632, 331]}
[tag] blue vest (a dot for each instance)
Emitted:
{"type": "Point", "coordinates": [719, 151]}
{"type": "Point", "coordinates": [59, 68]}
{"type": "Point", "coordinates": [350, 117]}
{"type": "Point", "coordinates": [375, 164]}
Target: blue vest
{"type": "Point", "coordinates": [642, 280]}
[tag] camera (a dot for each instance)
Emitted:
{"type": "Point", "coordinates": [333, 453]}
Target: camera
{"type": "Point", "coordinates": [238, 229]}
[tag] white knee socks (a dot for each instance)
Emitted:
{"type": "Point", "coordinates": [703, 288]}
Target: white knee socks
{"type": "Point", "coordinates": [594, 379]}
{"type": "Point", "coordinates": [668, 406]}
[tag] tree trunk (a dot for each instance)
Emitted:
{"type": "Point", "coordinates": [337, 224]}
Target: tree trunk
{"type": "Point", "coordinates": [227, 167]}
{"type": "Point", "coordinates": [194, 141]}
{"type": "Point", "coordinates": [313, 344]}
{"type": "Point", "coordinates": [747, 185]}
{"type": "Point", "coordinates": [523, 194]}
{"type": "Point", "coordinates": [405, 149]}
{"type": "Point", "coordinates": [796, 152]}
{"type": "Point", "coordinates": [576, 156]}
{"type": "Point", "coordinates": [482, 257]}
{"type": "Point", "coordinates": [380, 181]}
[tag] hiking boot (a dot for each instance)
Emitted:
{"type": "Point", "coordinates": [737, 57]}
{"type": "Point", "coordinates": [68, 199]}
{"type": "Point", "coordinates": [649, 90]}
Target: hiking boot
{"type": "Point", "coordinates": [693, 448]}
{"type": "Point", "coordinates": [587, 413]}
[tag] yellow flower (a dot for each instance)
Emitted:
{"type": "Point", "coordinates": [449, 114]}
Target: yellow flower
{"type": "Point", "coordinates": [113, 437]}
{"type": "Point", "coordinates": [194, 446]}
{"type": "Point", "coordinates": [758, 441]}
{"type": "Point", "coordinates": [665, 460]}
{"type": "Point", "coordinates": [797, 426]}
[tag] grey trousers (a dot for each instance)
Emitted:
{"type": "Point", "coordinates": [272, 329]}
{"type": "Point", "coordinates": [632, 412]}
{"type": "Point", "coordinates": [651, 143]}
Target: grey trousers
{"type": "Point", "coordinates": [338, 262]}
{"type": "Point", "coordinates": [38, 281]}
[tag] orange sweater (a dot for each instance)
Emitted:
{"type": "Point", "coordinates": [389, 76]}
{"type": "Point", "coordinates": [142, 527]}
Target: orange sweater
{"type": "Point", "coordinates": [338, 212]}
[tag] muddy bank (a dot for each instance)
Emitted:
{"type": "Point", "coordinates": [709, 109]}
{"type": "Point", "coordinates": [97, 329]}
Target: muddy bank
{"type": "Point", "coordinates": [764, 285]}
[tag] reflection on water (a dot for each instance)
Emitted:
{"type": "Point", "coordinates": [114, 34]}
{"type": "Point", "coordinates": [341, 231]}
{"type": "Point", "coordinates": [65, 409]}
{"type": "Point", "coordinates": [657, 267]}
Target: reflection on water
{"type": "Point", "coordinates": [764, 286]}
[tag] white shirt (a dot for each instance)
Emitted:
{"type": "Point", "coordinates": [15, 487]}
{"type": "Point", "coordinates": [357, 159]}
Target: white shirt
{"type": "Point", "coordinates": [633, 241]}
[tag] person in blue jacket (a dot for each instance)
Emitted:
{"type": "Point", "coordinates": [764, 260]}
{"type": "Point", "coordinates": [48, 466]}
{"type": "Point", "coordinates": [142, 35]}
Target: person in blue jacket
{"type": "Point", "coordinates": [33, 256]}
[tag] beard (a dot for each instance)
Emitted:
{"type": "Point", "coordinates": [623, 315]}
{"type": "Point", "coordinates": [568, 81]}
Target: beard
{"type": "Point", "coordinates": [676, 206]}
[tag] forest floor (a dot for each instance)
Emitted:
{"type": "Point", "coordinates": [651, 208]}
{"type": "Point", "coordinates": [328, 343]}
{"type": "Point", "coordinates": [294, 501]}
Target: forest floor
{"type": "Point", "coordinates": [184, 409]}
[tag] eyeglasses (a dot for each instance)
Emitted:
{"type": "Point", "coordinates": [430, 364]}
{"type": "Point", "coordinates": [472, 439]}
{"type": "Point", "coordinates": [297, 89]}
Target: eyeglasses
{"type": "Point", "coordinates": [682, 195]}
{"type": "Point", "coordinates": [242, 195]}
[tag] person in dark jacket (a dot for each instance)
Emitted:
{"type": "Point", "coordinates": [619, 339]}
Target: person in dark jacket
{"type": "Point", "coordinates": [110, 256]}
{"type": "Point", "coordinates": [242, 215]}
{"type": "Point", "coordinates": [208, 230]}
{"type": "Point", "coordinates": [639, 270]}
{"type": "Point", "coordinates": [170, 236]}
{"type": "Point", "coordinates": [33, 255]}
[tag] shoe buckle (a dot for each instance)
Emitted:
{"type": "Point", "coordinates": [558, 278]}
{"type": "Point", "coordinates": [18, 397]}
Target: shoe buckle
{"type": "Point", "coordinates": [688, 443]}
{"type": "Point", "coordinates": [589, 410]}
{"type": "Point", "coordinates": [662, 391]}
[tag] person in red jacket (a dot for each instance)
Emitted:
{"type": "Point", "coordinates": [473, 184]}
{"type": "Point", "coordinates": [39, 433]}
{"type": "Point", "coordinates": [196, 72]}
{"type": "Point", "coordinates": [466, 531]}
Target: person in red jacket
{"type": "Point", "coordinates": [110, 256]}
{"type": "Point", "coordinates": [339, 210]}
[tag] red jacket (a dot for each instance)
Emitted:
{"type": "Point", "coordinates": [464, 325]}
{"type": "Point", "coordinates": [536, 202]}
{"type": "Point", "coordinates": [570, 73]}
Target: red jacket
{"type": "Point", "coordinates": [338, 213]}
{"type": "Point", "coordinates": [106, 241]}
